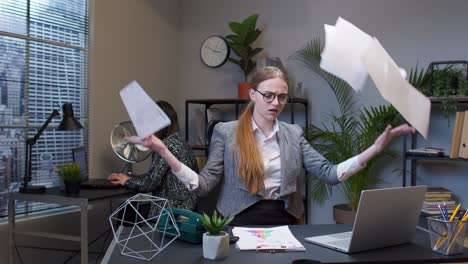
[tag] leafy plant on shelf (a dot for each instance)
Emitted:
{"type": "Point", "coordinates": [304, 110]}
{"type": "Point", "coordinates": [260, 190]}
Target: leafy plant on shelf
{"type": "Point", "coordinates": [346, 134]}
{"type": "Point", "coordinates": [215, 224]}
{"type": "Point", "coordinates": [444, 83]}
{"type": "Point", "coordinates": [70, 172]}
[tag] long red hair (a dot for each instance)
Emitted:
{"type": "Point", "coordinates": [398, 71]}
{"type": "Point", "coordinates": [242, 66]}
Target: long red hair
{"type": "Point", "coordinates": [251, 167]}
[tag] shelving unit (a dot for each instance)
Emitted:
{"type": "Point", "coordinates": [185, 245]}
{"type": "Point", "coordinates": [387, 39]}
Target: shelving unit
{"type": "Point", "coordinates": [414, 159]}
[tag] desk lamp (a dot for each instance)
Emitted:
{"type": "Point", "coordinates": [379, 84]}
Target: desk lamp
{"type": "Point", "coordinates": [68, 123]}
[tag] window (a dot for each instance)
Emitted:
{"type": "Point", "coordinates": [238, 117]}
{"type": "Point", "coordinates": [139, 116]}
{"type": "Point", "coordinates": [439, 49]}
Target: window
{"type": "Point", "coordinates": [43, 64]}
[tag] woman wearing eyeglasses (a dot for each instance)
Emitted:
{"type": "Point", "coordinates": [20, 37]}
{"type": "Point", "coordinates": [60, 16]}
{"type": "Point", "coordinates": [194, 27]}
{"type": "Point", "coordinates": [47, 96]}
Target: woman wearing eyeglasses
{"type": "Point", "coordinates": [259, 159]}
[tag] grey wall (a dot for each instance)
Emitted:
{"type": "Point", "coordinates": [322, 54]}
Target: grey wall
{"type": "Point", "coordinates": [411, 31]}
{"type": "Point", "coordinates": [131, 40]}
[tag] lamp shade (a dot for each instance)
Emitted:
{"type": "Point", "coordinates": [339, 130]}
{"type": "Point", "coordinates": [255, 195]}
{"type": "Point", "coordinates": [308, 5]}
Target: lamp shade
{"type": "Point", "coordinates": [68, 121]}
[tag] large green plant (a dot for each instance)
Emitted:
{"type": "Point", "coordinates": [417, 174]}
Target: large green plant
{"type": "Point", "coordinates": [347, 133]}
{"type": "Point", "coordinates": [245, 34]}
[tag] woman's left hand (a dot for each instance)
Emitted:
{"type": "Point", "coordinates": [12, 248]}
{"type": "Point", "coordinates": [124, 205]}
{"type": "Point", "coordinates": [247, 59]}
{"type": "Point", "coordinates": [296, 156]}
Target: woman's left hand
{"type": "Point", "coordinates": [389, 134]}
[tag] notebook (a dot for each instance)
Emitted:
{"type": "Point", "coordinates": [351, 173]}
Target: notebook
{"type": "Point", "coordinates": [385, 217]}
{"type": "Point", "coordinates": [79, 156]}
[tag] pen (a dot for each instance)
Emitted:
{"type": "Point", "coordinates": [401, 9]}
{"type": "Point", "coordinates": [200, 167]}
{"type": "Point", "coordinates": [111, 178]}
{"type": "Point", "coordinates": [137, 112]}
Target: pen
{"type": "Point", "coordinates": [441, 212]}
{"type": "Point", "coordinates": [446, 212]}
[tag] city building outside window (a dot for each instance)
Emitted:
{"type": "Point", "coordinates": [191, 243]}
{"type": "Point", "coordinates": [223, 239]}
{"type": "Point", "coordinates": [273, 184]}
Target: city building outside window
{"type": "Point", "coordinates": [43, 64]}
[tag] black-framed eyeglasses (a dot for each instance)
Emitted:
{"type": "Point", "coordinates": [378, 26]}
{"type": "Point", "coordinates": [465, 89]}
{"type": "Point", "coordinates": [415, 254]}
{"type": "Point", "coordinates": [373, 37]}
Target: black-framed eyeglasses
{"type": "Point", "coordinates": [268, 97]}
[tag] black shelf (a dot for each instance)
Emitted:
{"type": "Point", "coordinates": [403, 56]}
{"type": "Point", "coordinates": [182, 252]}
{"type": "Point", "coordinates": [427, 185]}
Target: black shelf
{"type": "Point", "coordinates": [207, 103]}
{"type": "Point", "coordinates": [410, 156]}
{"type": "Point", "coordinates": [413, 144]}
{"type": "Point", "coordinates": [458, 99]}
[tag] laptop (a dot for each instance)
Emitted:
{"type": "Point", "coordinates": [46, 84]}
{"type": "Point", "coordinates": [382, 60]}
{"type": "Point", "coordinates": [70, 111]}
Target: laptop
{"type": "Point", "coordinates": [80, 157]}
{"type": "Point", "coordinates": [385, 217]}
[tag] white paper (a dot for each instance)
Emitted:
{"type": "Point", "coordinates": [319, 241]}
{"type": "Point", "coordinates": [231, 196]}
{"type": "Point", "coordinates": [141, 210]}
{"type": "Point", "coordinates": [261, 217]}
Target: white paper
{"type": "Point", "coordinates": [266, 239]}
{"type": "Point", "coordinates": [147, 117]}
{"type": "Point", "coordinates": [341, 55]}
{"type": "Point", "coordinates": [414, 106]}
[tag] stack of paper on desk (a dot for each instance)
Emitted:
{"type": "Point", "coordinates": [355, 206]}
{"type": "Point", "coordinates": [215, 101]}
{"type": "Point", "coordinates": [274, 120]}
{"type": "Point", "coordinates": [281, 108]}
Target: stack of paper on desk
{"type": "Point", "coordinates": [351, 55]}
{"type": "Point", "coordinates": [267, 239]}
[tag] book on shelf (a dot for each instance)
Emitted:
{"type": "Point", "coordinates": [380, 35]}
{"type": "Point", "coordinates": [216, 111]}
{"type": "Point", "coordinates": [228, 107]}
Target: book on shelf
{"type": "Point", "coordinates": [463, 151]}
{"type": "Point", "coordinates": [456, 135]}
{"type": "Point", "coordinates": [437, 190]}
{"type": "Point", "coordinates": [435, 212]}
{"type": "Point", "coordinates": [426, 151]}
{"type": "Point", "coordinates": [437, 194]}
{"type": "Point", "coordinates": [437, 202]}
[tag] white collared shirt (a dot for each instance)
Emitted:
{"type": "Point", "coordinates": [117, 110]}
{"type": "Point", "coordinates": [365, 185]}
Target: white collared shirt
{"type": "Point", "coordinates": [270, 151]}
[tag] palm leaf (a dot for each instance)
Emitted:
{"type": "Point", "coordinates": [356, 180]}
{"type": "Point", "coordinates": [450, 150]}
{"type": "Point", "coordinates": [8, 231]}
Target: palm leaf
{"type": "Point", "coordinates": [344, 135]}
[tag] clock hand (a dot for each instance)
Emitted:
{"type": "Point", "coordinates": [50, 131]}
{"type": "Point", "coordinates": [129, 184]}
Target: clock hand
{"type": "Point", "coordinates": [214, 50]}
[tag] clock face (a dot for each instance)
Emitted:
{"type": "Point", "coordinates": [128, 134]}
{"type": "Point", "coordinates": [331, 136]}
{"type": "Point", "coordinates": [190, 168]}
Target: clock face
{"type": "Point", "coordinates": [214, 51]}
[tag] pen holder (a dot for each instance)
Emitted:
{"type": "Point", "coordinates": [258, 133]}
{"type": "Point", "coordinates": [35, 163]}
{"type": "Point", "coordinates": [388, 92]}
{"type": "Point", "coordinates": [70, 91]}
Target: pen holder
{"type": "Point", "coordinates": [447, 237]}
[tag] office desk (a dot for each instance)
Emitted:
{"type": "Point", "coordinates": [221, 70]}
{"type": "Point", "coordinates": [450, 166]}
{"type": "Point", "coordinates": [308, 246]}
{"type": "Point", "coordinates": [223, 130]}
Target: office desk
{"type": "Point", "coordinates": [55, 196]}
{"type": "Point", "coordinates": [416, 252]}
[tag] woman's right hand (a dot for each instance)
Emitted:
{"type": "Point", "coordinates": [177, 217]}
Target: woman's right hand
{"type": "Point", "coordinates": [118, 178]}
{"type": "Point", "coordinates": [156, 145]}
{"type": "Point", "coordinates": [152, 142]}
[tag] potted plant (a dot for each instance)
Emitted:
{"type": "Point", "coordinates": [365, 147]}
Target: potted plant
{"type": "Point", "coordinates": [245, 34]}
{"type": "Point", "coordinates": [344, 135]}
{"type": "Point", "coordinates": [445, 80]}
{"type": "Point", "coordinates": [71, 176]}
{"type": "Point", "coordinates": [215, 240]}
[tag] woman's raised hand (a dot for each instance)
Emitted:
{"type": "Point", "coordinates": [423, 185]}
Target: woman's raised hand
{"type": "Point", "coordinates": [152, 142]}
{"type": "Point", "coordinates": [389, 134]}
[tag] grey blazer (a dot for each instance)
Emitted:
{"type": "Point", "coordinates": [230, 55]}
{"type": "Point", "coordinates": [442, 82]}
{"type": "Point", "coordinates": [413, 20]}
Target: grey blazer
{"type": "Point", "coordinates": [296, 154]}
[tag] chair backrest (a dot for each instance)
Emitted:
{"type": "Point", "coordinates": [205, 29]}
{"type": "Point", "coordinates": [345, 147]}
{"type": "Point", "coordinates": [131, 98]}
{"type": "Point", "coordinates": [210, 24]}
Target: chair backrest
{"type": "Point", "coordinates": [209, 131]}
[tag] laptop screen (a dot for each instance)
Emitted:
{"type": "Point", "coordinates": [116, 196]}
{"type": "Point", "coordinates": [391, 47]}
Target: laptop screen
{"type": "Point", "coordinates": [79, 156]}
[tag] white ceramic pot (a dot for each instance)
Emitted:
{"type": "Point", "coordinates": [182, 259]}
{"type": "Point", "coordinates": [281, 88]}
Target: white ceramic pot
{"type": "Point", "coordinates": [215, 247]}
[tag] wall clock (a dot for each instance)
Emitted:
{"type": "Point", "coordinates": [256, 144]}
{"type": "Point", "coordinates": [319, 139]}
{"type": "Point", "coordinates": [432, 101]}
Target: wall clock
{"type": "Point", "coordinates": [214, 51]}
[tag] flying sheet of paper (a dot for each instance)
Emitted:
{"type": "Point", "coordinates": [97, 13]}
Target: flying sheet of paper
{"type": "Point", "coordinates": [341, 56]}
{"type": "Point", "coordinates": [147, 117]}
{"type": "Point", "coordinates": [414, 106]}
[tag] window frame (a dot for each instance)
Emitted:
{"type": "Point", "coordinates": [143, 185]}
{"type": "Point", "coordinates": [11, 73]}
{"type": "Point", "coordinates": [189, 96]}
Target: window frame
{"type": "Point", "coordinates": [83, 91]}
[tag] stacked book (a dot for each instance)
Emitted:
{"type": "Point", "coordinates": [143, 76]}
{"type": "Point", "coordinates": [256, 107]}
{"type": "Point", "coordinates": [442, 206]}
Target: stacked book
{"type": "Point", "coordinates": [436, 196]}
{"type": "Point", "coordinates": [459, 147]}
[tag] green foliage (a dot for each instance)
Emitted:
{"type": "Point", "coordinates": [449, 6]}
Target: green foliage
{"type": "Point", "coordinates": [245, 34]}
{"type": "Point", "coordinates": [445, 83]}
{"type": "Point", "coordinates": [215, 224]}
{"type": "Point", "coordinates": [344, 135]}
{"type": "Point", "coordinates": [70, 172]}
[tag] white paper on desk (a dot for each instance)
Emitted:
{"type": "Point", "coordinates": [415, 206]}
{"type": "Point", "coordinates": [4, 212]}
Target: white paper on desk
{"type": "Point", "coordinates": [341, 56]}
{"type": "Point", "coordinates": [266, 238]}
{"type": "Point", "coordinates": [147, 117]}
{"type": "Point", "coordinates": [414, 106]}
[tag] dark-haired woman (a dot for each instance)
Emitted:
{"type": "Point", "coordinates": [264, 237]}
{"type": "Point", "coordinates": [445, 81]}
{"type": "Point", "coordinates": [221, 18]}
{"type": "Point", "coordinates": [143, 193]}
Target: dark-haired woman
{"type": "Point", "coordinates": [160, 180]}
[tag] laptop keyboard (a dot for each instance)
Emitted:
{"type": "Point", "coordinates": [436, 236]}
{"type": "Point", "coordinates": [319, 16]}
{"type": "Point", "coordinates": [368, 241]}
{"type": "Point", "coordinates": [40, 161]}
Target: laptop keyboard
{"type": "Point", "coordinates": [346, 235]}
{"type": "Point", "coordinates": [344, 243]}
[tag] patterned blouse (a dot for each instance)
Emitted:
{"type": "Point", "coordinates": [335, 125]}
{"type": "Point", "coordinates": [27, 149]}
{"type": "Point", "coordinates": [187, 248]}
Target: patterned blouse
{"type": "Point", "coordinates": [162, 182]}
